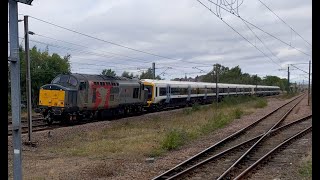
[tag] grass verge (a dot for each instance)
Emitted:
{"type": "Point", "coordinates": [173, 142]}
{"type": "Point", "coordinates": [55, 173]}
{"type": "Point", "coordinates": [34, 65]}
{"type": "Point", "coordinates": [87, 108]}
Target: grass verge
{"type": "Point", "coordinates": [157, 134]}
{"type": "Point", "coordinates": [305, 170]}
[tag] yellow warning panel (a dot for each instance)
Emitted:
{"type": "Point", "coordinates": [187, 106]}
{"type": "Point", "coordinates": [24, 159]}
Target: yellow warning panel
{"type": "Point", "coordinates": [51, 98]}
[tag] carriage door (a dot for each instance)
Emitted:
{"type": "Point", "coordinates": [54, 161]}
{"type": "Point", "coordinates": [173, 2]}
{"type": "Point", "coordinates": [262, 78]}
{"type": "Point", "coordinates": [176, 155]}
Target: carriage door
{"type": "Point", "coordinates": [205, 91]}
{"type": "Point", "coordinates": [83, 89]}
{"type": "Point", "coordinates": [189, 93]}
{"type": "Point", "coordinates": [168, 93]}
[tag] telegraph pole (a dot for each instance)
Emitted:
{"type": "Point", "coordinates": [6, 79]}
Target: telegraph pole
{"type": "Point", "coordinates": [256, 81]}
{"type": "Point", "coordinates": [217, 88]}
{"type": "Point", "coordinates": [309, 84]}
{"type": "Point", "coordinates": [288, 79]}
{"type": "Point", "coordinates": [154, 70]}
{"type": "Point", "coordinates": [28, 77]}
{"type": "Point", "coordinates": [15, 88]}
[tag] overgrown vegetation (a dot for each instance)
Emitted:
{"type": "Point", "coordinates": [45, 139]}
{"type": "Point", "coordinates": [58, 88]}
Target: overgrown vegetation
{"type": "Point", "coordinates": [237, 113]}
{"type": "Point", "coordinates": [154, 136]}
{"type": "Point", "coordinates": [195, 107]}
{"type": "Point", "coordinates": [305, 170]}
{"type": "Point", "coordinates": [261, 103]}
{"type": "Point", "coordinates": [174, 138]}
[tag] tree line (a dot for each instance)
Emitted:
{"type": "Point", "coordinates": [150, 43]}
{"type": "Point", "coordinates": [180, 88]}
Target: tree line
{"type": "Point", "coordinates": [236, 76]}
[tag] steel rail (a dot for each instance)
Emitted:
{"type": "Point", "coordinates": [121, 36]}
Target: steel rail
{"type": "Point", "coordinates": [257, 142]}
{"type": "Point", "coordinates": [301, 133]}
{"type": "Point", "coordinates": [176, 168]}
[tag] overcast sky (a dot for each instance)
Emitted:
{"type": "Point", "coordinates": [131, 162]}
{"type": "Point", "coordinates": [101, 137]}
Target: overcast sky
{"type": "Point", "coordinates": [186, 35]}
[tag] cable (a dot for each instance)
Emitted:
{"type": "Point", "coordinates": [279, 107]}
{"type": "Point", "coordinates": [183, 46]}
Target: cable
{"type": "Point", "coordinates": [299, 69]}
{"type": "Point", "coordinates": [261, 41]}
{"type": "Point", "coordinates": [101, 39]}
{"type": "Point", "coordinates": [285, 23]}
{"type": "Point", "coordinates": [238, 33]}
{"type": "Point", "coordinates": [93, 49]}
{"type": "Point", "coordinates": [76, 50]}
{"type": "Point", "coordinates": [82, 58]}
{"type": "Point", "coordinates": [86, 52]}
{"type": "Point", "coordinates": [258, 28]}
{"type": "Point", "coordinates": [111, 42]}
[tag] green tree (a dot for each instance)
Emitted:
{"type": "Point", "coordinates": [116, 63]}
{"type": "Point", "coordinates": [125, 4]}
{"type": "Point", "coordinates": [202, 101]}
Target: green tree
{"type": "Point", "coordinates": [108, 72]}
{"type": "Point", "coordinates": [236, 76]}
{"type": "Point", "coordinates": [127, 75]}
{"type": "Point", "coordinates": [275, 81]}
{"type": "Point", "coordinates": [43, 68]}
{"type": "Point", "coordinates": [148, 75]}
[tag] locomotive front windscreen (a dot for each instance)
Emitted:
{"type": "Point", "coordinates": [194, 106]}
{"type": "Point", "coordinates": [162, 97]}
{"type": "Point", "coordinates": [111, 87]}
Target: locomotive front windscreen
{"type": "Point", "coordinates": [65, 80]}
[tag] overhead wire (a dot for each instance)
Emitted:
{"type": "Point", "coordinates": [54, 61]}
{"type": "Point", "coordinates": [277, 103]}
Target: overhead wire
{"type": "Point", "coordinates": [116, 44]}
{"type": "Point", "coordinates": [238, 32]}
{"type": "Point", "coordinates": [99, 39]}
{"type": "Point", "coordinates": [128, 57]}
{"type": "Point", "coordinates": [261, 41]}
{"type": "Point", "coordinates": [258, 28]}
{"type": "Point", "coordinates": [76, 50]}
{"type": "Point", "coordinates": [285, 23]}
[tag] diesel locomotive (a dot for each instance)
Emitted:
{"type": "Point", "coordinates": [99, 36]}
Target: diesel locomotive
{"type": "Point", "coordinates": [72, 97]}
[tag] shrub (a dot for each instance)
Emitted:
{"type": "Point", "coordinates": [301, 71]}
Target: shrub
{"type": "Point", "coordinates": [237, 113]}
{"type": "Point", "coordinates": [173, 139]}
{"type": "Point", "coordinates": [261, 103]}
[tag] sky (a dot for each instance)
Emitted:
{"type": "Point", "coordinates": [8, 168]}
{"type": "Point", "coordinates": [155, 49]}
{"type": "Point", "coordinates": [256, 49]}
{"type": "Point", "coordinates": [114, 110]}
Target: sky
{"type": "Point", "coordinates": [182, 37]}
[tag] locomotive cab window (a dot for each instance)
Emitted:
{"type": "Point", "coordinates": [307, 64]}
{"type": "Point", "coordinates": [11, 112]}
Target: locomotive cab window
{"type": "Point", "coordinates": [65, 80]}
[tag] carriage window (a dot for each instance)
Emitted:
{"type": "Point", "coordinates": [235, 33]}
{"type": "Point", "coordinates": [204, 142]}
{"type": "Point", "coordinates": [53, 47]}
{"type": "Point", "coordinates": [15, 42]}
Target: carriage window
{"type": "Point", "coordinates": [162, 92]}
{"type": "Point", "coordinates": [114, 90]}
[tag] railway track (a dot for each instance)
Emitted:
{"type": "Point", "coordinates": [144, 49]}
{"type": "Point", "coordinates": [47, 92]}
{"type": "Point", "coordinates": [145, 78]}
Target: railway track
{"type": "Point", "coordinates": [33, 120]}
{"type": "Point", "coordinates": [39, 125]}
{"type": "Point", "coordinates": [250, 134]}
{"type": "Point", "coordinates": [35, 127]}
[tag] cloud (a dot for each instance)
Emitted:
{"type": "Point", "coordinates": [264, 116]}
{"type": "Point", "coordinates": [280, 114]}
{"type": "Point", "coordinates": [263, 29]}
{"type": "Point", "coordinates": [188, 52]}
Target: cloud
{"type": "Point", "coordinates": [184, 31]}
{"type": "Point", "coordinates": [287, 52]}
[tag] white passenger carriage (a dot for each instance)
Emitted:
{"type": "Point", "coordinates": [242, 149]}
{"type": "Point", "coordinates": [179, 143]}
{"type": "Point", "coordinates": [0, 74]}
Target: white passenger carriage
{"type": "Point", "coordinates": [162, 93]}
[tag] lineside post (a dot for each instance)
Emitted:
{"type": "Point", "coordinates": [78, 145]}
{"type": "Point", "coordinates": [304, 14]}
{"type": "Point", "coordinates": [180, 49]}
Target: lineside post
{"type": "Point", "coordinates": [28, 77]}
{"type": "Point", "coordinates": [217, 88]}
{"type": "Point", "coordinates": [15, 89]}
{"type": "Point", "coordinates": [154, 70]}
{"type": "Point", "coordinates": [309, 84]}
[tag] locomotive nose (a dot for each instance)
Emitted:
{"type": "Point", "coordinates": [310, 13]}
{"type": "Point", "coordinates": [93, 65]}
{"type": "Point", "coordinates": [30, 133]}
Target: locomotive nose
{"type": "Point", "coordinates": [52, 96]}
